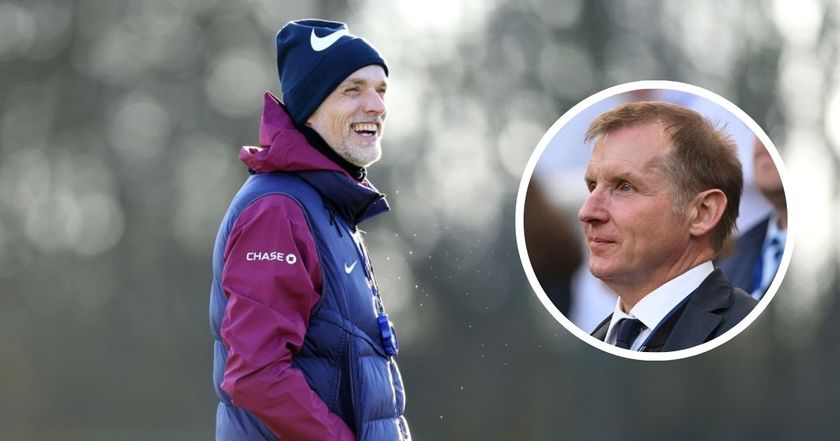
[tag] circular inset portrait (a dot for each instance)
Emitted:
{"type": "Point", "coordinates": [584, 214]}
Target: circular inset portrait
{"type": "Point", "coordinates": [652, 222]}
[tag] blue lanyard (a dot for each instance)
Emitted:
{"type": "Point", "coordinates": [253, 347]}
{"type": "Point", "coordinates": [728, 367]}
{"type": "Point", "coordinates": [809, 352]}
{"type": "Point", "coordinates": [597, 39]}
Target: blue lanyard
{"type": "Point", "coordinates": [387, 333]}
{"type": "Point", "coordinates": [361, 250]}
{"type": "Point", "coordinates": [664, 320]}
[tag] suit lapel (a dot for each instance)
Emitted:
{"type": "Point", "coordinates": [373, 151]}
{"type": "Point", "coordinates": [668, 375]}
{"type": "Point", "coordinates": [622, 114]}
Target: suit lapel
{"type": "Point", "coordinates": [660, 334]}
{"type": "Point", "coordinates": [702, 313]}
{"type": "Point", "coordinates": [600, 331]}
{"type": "Point", "coordinates": [693, 328]}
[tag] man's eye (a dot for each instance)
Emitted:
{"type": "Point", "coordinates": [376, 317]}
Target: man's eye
{"type": "Point", "coordinates": [625, 186]}
{"type": "Point", "coordinates": [351, 89]}
{"type": "Point", "coordinates": [590, 186]}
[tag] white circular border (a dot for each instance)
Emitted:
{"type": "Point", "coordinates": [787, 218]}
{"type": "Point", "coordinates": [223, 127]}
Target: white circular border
{"type": "Point", "coordinates": [520, 210]}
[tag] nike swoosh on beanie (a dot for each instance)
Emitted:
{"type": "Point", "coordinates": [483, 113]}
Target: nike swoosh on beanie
{"type": "Point", "coordinates": [313, 58]}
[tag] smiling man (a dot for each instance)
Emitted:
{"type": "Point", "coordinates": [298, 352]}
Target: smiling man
{"type": "Point", "coordinates": [303, 347]}
{"type": "Point", "coordinates": [664, 188]}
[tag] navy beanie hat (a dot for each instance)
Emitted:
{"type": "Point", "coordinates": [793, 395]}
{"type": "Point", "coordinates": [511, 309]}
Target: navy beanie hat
{"type": "Point", "coordinates": [313, 58]}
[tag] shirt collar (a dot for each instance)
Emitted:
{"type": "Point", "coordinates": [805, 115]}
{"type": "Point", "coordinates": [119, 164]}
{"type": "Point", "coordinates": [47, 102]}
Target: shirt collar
{"type": "Point", "coordinates": [653, 308]}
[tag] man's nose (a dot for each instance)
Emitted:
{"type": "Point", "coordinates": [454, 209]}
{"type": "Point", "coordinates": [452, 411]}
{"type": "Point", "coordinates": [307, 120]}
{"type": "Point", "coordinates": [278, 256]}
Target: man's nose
{"type": "Point", "coordinates": [374, 103]}
{"type": "Point", "coordinates": [593, 208]}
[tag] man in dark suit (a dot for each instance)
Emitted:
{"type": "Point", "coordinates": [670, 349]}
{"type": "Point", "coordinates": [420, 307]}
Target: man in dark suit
{"type": "Point", "coordinates": [664, 189]}
{"type": "Point", "coordinates": [758, 251]}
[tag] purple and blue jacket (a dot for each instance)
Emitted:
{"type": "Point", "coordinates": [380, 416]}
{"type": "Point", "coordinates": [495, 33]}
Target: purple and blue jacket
{"type": "Point", "coordinates": [298, 350]}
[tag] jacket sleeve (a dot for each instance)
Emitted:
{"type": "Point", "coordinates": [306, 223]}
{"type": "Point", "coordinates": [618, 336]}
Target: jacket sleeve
{"type": "Point", "coordinates": [272, 278]}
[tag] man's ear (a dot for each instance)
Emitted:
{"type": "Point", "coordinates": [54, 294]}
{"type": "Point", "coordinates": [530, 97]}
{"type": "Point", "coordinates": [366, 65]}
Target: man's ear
{"type": "Point", "coordinates": [706, 210]}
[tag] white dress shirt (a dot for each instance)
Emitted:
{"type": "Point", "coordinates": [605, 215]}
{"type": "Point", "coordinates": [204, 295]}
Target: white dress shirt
{"type": "Point", "coordinates": [654, 307]}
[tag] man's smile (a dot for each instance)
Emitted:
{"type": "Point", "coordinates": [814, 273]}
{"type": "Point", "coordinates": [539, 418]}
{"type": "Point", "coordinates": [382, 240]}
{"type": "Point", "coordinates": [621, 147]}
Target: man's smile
{"type": "Point", "coordinates": [366, 128]}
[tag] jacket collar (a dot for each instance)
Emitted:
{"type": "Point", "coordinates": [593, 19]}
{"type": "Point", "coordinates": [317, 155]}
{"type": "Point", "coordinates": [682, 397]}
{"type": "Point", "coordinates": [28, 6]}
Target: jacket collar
{"type": "Point", "coordinates": [692, 321]}
{"type": "Point", "coordinates": [354, 201]}
{"type": "Point", "coordinates": [702, 313]}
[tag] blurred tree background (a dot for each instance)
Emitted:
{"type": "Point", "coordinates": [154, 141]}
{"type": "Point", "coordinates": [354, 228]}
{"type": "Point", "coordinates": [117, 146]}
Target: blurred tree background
{"type": "Point", "coordinates": [119, 130]}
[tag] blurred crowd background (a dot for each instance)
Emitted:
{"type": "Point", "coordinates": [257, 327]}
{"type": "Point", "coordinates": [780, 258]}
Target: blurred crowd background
{"type": "Point", "coordinates": [119, 128]}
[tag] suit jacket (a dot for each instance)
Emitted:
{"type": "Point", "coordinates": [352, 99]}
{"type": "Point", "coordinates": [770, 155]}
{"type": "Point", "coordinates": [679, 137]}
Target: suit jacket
{"type": "Point", "coordinates": [709, 311]}
{"type": "Point", "coordinates": [739, 267]}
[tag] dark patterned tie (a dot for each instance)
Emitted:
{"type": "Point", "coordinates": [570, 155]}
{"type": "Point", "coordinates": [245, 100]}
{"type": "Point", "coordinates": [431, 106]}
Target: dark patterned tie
{"type": "Point", "coordinates": [628, 330]}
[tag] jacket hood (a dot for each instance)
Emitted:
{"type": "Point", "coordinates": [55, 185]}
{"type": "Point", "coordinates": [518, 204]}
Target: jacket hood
{"type": "Point", "coordinates": [282, 146]}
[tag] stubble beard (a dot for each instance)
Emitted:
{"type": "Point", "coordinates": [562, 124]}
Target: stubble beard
{"type": "Point", "coordinates": [361, 155]}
